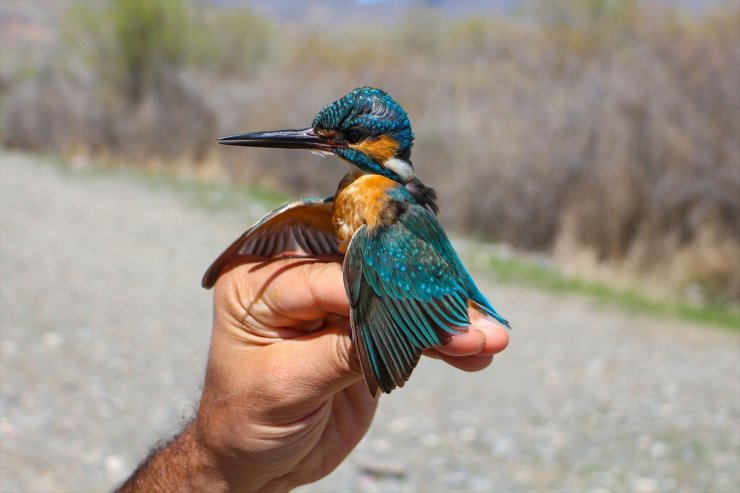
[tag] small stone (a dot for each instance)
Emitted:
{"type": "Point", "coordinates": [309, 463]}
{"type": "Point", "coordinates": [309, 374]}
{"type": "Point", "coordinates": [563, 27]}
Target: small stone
{"type": "Point", "coordinates": [8, 348]}
{"type": "Point", "coordinates": [644, 485]}
{"type": "Point", "coordinates": [399, 425]}
{"type": "Point", "coordinates": [658, 450]}
{"type": "Point", "coordinates": [596, 367]}
{"type": "Point", "coordinates": [51, 340]}
{"type": "Point", "coordinates": [552, 378]}
{"type": "Point", "coordinates": [381, 445]}
{"type": "Point", "coordinates": [468, 434]}
{"type": "Point", "coordinates": [643, 442]}
{"type": "Point", "coordinates": [480, 483]}
{"type": "Point", "coordinates": [671, 484]}
{"type": "Point", "coordinates": [378, 467]}
{"type": "Point", "coordinates": [455, 479]}
{"type": "Point", "coordinates": [503, 446]}
{"type": "Point", "coordinates": [7, 428]}
{"type": "Point", "coordinates": [115, 466]}
{"type": "Point", "coordinates": [167, 378]}
{"type": "Point", "coordinates": [430, 440]}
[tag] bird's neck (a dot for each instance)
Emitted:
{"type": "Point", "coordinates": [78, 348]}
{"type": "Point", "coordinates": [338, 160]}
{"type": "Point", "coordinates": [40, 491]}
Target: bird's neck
{"type": "Point", "coordinates": [362, 199]}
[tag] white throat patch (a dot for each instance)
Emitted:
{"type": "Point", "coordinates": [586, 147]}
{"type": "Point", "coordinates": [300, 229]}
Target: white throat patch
{"type": "Point", "coordinates": [400, 167]}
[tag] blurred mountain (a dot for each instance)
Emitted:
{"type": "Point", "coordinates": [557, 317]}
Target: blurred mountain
{"type": "Point", "coordinates": [37, 20]}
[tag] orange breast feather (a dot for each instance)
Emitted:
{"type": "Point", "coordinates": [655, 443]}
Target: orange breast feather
{"type": "Point", "coordinates": [359, 202]}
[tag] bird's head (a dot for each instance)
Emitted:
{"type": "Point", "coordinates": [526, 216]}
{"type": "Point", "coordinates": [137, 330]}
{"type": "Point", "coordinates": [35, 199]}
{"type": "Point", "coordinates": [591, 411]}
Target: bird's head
{"type": "Point", "coordinates": [366, 127]}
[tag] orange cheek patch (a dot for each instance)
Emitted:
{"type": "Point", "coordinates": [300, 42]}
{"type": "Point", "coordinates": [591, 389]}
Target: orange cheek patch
{"type": "Point", "coordinates": [379, 150]}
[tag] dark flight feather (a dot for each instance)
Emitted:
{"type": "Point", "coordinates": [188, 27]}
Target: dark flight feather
{"type": "Point", "coordinates": [408, 292]}
{"type": "Point", "coordinates": [300, 228]}
{"type": "Point", "coordinates": [407, 288]}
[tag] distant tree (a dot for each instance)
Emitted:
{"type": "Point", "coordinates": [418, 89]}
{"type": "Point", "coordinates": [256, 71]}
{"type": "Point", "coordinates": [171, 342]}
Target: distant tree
{"type": "Point", "coordinates": [130, 44]}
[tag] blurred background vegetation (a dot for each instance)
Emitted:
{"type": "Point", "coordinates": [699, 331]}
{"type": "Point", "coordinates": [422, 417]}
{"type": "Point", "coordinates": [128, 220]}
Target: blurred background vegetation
{"type": "Point", "coordinates": [604, 133]}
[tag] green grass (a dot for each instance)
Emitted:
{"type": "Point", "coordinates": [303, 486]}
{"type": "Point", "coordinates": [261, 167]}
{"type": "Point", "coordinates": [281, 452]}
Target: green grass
{"type": "Point", "coordinates": [216, 196]}
{"type": "Point", "coordinates": [213, 196]}
{"type": "Point", "coordinates": [506, 268]}
{"type": "Point", "coordinates": [515, 270]}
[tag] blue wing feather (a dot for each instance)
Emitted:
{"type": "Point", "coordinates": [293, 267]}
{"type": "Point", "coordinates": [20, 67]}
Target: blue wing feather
{"type": "Point", "coordinates": [426, 227]}
{"type": "Point", "coordinates": [407, 288]}
{"type": "Point", "coordinates": [408, 291]}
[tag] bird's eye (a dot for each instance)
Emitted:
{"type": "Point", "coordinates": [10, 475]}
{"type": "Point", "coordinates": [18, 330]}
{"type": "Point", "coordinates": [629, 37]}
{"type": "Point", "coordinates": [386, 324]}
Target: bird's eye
{"type": "Point", "coordinates": [354, 135]}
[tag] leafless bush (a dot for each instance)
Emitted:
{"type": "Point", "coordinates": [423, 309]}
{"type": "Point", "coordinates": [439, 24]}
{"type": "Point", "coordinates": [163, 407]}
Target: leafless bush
{"type": "Point", "coordinates": [605, 127]}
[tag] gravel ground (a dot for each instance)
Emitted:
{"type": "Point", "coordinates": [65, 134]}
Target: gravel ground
{"type": "Point", "coordinates": [104, 335]}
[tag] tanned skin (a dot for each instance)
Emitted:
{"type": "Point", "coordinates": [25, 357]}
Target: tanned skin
{"type": "Point", "coordinates": [283, 401]}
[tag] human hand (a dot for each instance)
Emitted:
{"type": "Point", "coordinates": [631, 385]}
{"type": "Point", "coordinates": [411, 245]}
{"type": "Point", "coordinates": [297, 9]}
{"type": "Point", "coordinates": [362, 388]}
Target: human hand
{"type": "Point", "coordinates": [284, 401]}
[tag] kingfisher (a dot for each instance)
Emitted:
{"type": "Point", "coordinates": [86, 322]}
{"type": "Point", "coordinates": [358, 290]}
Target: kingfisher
{"type": "Point", "coordinates": [407, 287]}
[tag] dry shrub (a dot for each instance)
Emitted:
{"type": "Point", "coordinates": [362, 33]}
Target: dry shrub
{"type": "Point", "coordinates": [605, 130]}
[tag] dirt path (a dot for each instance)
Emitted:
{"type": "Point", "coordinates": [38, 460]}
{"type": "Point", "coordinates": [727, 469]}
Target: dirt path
{"type": "Point", "coordinates": [104, 332]}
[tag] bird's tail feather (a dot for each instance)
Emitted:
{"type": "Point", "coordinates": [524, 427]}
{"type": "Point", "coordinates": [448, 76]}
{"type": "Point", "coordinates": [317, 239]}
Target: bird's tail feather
{"type": "Point", "coordinates": [481, 303]}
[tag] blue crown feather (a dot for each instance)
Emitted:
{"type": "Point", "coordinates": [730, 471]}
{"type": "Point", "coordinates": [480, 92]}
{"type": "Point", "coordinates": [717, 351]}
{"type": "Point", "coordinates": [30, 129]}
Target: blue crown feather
{"type": "Point", "coordinates": [371, 109]}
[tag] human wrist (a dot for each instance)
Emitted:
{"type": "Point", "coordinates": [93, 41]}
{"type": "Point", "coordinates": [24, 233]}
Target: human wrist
{"type": "Point", "coordinates": [236, 467]}
{"type": "Point", "coordinates": [183, 464]}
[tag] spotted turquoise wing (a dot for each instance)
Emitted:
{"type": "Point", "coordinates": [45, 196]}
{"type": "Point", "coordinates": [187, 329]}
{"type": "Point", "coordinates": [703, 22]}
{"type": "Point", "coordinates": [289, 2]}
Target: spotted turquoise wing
{"type": "Point", "coordinates": [300, 228]}
{"type": "Point", "coordinates": [425, 226]}
{"type": "Point", "coordinates": [405, 296]}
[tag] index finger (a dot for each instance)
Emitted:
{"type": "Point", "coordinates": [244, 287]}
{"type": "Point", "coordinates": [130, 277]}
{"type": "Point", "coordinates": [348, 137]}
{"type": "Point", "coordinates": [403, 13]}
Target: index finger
{"type": "Point", "coordinates": [297, 288]}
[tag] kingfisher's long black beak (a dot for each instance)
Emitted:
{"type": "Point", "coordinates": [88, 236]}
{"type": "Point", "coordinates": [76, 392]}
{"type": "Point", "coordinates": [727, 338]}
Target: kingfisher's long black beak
{"type": "Point", "coordinates": [302, 138]}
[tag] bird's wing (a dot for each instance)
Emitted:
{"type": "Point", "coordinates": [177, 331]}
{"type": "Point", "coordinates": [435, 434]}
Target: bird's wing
{"type": "Point", "coordinates": [300, 228]}
{"type": "Point", "coordinates": [404, 296]}
{"type": "Point", "coordinates": [425, 226]}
